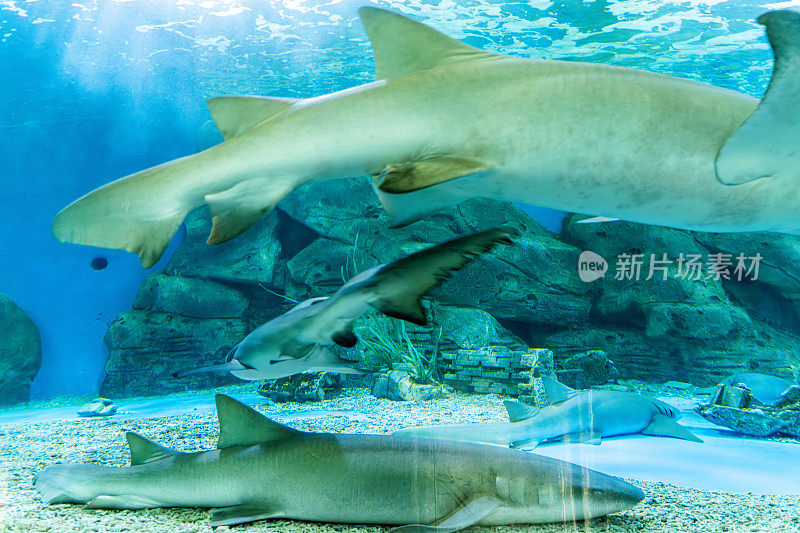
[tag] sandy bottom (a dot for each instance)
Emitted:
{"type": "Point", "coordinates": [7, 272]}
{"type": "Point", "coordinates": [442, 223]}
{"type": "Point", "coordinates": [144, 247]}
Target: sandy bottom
{"type": "Point", "coordinates": [31, 439]}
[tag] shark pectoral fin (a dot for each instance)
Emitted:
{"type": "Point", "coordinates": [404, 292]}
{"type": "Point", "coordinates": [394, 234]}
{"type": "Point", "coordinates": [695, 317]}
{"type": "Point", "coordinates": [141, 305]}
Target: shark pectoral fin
{"type": "Point", "coordinates": [241, 425]}
{"type": "Point", "coordinates": [584, 437]}
{"type": "Point", "coordinates": [123, 501]}
{"type": "Point", "coordinates": [409, 177]}
{"type": "Point", "coordinates": [146, 451]}
{"type": "Point", "coordinates": [663, 426]}
{"type": "Point", "coordinates": [765, 145]}
{"type": "Point", "coordinates": [241, 514]}
{"type": "Point", "coordinates": [519, 411]}
{"type": "Point", "coordinates": [461, 518]}
{"type": "Point", "coordinates": [403, 45]}
{"type": "Point", "coordinates": [234, 115]}
{"type": "Point", "coordinates": [557, 392]}
{"type": "Point", "coordinates": [236, 209]}
{"type": "Point", "coordinates": [396, 289]}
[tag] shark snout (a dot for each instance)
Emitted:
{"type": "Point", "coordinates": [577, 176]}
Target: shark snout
{"type": "Point", "coordinates": [607, 494]}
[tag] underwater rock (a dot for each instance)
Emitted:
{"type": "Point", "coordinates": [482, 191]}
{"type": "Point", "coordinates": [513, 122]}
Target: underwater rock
{"type": "Point", "coordinates": [398, 385]}
{"type": "Point", "coordinates": [190, 297]}
{"type": "Point", "coordinates": [20, 353]}
{"type": "Point", "coordinates": [583, 370]}
{"type": "Point", "coordinates": [736, 408]}
{"type": "Point", "coordinates": [252, 258]}
{"type": "Point", "coordinates": [308, 387]}
{"type": "Point", "coordinates": [532, 282]}
{"type": "Point", "coordinates": [779, 267]}
{"type": "Point", "coordinates": [146, 348]}
{"type": "Point", "coordinates": [98, 407]}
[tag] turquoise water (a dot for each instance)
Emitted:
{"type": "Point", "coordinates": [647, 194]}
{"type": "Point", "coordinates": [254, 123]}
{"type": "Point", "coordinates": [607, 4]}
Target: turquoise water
{"type": "Point", "coordinates": [96, 90]}
{"type": "Point", "coordinates": [93, 91]}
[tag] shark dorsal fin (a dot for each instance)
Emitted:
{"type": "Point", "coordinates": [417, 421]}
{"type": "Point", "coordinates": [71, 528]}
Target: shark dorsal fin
{"type": "Point", "coordinates": [240, 425]}
{"type": "Point", "coordinates": [519, 411]}
{"type": "Point", "coordinates": [557, 392]}
{"type": "Point", "coordinates": [146, 451]}
{"type": "Point", "coordinates": [403, 45]}
{"type": "Point", "coordinates": [234, 115]}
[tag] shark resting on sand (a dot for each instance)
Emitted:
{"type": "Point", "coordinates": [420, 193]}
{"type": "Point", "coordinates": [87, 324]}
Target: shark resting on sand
{"type": "Point", "coordinates": [295, 341]}
{"type": "Point", "coordinates": [262, 469]}
{"type": "Point", "coordinates": [444, 121]}
{"type": "Point", "coordinates": [574, 416]}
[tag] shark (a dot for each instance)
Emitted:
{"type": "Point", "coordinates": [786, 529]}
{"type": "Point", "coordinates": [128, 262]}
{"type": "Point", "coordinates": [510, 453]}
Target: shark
{"type": "Point", "coordinates": [265, 470]}
{"type": "Point", "coordinates": [767, 389]}
{"type": "Point", "coordinates": [573, 416]}
{"type": "Point", "coordinates": [444, 122]}
{"type": "Point", "coordinates": [295, 341]}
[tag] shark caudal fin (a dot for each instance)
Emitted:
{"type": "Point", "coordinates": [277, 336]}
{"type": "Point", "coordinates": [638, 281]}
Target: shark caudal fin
{"type": "Point", "coordinates": [765, 145]}
{"type": "Point", "coordinates": [133, 213]}
{"type": "Point", "coordinates": [142, 212]}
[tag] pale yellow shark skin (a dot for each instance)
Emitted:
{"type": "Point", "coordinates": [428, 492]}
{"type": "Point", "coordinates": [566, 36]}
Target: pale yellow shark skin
{"type": "Point", "coordinates": [578, 137]}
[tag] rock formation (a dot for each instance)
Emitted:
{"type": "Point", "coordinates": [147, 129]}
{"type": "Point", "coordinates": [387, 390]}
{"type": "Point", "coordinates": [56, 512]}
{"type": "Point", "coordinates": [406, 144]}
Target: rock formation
{"type": "Point", "coordinates": [529, 295]}
{"type": "Point", "coordinates": [20, 353]}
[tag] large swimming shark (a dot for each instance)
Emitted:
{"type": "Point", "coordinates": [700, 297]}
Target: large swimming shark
{"type": "Point", "coordinates": [573, 416]}
{"type": "Point", "coordinates": [262, 469]}
{"type": "Point", "coordinates": [444, 122]}
{"type": "Point", "coordinates": [295, 341]}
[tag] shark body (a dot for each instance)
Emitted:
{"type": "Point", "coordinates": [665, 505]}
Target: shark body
{"type": "Point", "coordinates": [262, 470]}
{"type": "Point", "coordinates": [574, 416]}
{"type": "Point", "coordinates": [295, 341]}
{"type": "Point", "coordinates": [444, 122]}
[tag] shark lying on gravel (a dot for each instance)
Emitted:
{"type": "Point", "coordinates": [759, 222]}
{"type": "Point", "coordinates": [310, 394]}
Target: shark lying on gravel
{"type": "Point", "coordinates": [765, 388]}
{"type": "Point", "coordinates": [444, 122]}
{"type": "Point", "coordinates": [295, 341]}
{"type": "Point", "coordinates": [574, 416]}
{"type": "Point", "coordinates": [262, 469]}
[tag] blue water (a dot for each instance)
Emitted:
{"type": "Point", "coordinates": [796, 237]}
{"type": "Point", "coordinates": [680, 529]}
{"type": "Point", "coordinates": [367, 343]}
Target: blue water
{"type": "Point", "coordinates": [93, 91]}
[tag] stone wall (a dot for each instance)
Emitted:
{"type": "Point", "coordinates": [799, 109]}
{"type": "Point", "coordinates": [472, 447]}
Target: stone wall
{"type": "Point", "coordinates": [209, 297]}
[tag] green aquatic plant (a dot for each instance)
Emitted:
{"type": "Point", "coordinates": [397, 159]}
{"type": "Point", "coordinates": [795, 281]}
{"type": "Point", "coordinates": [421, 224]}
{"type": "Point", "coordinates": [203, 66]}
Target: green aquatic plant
{"type": "Point", "coordinates": [388, 345]}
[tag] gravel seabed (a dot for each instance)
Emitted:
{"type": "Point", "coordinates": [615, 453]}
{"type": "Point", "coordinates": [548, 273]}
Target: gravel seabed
{"type": "Point", "coordinates": [28, 448]}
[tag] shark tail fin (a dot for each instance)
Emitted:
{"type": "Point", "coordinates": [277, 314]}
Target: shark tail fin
{"type": "Point", "coordinates": [124, 215]}
{"type": "Point", "coordinates": [55, 483]}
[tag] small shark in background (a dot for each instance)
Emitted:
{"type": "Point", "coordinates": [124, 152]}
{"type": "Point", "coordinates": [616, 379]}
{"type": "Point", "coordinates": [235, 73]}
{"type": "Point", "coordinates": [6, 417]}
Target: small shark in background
{"type": "Point", "coordinates": [573, 416]}
{"type": "Point", "coordinates": [295, 341]}
{"type": "Point", "coordinates": [444, 122]}
{"type": "Point", "coordinates": [765, 388]}
{"type": "Point", "coordinates": [263, 470]}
